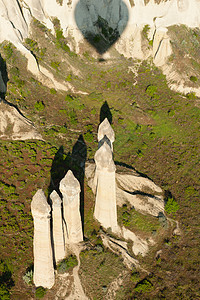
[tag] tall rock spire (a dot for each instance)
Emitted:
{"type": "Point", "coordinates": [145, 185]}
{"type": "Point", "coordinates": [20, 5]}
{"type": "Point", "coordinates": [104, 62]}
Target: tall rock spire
{"type": "Point", "coordinates": [42, 247]}
{"type": "Point", "coordinates": [58, 228]}
{"type": "Point", "coordinates": [70, 189]}
{"type": "Point", "coordinates": [105, 206]}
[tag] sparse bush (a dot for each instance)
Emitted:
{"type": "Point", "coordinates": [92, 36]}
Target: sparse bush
{"type": "Point", "coordinates": [28, 277]}
{"type": "Point", "coordinates": [8, 50]}
{"type": "Point", "coordinates": [171, 206]}
{"type": "Point", "coordinates": [4, 292]}
{"type": "Point", "coordinates": [39, 106]}
{"type": "Point", "coordinates": [40, 292]}
{"type": "Point", "coordinates": [143, 286]}
{"type": "Point", "coordinates": [68, 98]}
{"type": "Point", "coordinates": [151, 90]}
{"type": "Point", "coordinates": [191, 96]}
{"type": "Point", "coordinates": [67, 264]}
{"type": "Point", "coordinates": [53, 91]}
{"type": "Point", "coordinates": [55, 65]}
{"type": "Point", "coordinates": [193, 78]}
{"type": "Point", "coordinates": [88, 136]}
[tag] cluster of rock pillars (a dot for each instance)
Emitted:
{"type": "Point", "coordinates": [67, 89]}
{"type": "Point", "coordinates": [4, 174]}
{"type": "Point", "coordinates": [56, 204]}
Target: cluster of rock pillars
{"type": "Point", "coordinates": [50, 245]}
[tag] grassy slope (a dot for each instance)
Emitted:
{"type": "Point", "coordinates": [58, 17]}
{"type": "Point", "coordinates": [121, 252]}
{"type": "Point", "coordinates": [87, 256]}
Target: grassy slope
{"type": "Point", "coordinates": [157, 132]}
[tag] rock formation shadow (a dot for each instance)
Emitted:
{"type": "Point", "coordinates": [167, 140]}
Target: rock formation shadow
{"type": "Point", "coordinates": [105, 113]}
{"type": "Point", "coordinates": [3, 78]}
{"type": "Point", "coordinates": [101, 22]}
{"type": "Point", "coordinates": [75, 162]}
{"type": "Point", "coordinates": [78, 159]}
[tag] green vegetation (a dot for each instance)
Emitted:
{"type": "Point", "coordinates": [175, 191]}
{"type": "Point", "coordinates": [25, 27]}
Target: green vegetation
{"type": "Point", "coordinates": [67, 264]}
{"type": "Point", "coordinates": [143, 286]}
{"type": "Point", "coordinates": [157, 132]}
{"type": "Point", "coordinates": [40, 292]}
{"type": "Point", "coordinates": [171, 206]}
{"type": "Point", "coordinates": [136, 221]}
{"type": "Point", "coordinates": [98, 268]}
{"type": "Point", "coordinates": [39, 106]}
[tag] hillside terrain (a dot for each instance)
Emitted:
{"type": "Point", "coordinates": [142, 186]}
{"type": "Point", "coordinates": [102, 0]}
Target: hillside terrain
{"type": "Point", "coordinates": [156, 133]}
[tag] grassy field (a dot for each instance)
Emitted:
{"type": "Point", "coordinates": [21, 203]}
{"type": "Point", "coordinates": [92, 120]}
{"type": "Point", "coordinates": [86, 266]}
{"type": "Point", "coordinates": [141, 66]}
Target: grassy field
{"type": "Point", "coordinates": [157, 132]}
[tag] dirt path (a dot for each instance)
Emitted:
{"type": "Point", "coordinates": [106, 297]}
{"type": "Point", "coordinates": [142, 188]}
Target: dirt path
{"type": "Point", "coordinates": [77, 289]}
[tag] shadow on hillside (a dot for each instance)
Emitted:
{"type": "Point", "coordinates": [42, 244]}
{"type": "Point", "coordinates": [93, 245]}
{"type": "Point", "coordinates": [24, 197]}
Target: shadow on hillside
{"type": "Point", "coordinates": [101, 26]}
{"type": "Point", "coordinates": [3, 78]}
{"type": "Point", "coordinates": [105, 112]}
{"type": "Point", "coordinates": [75, 162]}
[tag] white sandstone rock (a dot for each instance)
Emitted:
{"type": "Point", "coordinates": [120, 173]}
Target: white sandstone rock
{"type": "Point", "coordinates": [139, 191]}
{"type": "Point", "coordinates": [70, 189]}
{"type": "Point", "coordinates": [58, 228]}
{"type": "Point", "coordinates": [140, 246]}
{"type": "Point", "coordinates": [105, 133]}
{"type": "Point", "coordinates": [105, 206]}
{"type": "Point", "coordinates": [42, 247]}
{"type": "Point", "coordinates": [14, 125]}
{"type": "Point", "coordinates": [161, 47]}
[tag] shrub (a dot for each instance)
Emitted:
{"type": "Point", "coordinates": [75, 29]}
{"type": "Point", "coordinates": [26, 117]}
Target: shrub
{"type": "Point", "coordinates": [4, 293]}
{"type": "Point", "coordinates": [53, 91]}
{"type": "Point", "coordinates": [88, 136]}
{"type": "Point", "coordinates": [8, 50]}
{"type": "Point", "coordinates": [40, 292]}
{"type": "Point", "coordinates": [193, 78]}
{"type": "Point", "coordinates": [67, 264]}
{"type": "Point", "coordinates": [55, 65]}
{"type": "Point", "coordinates": [39, 106]}
{"type": "Point", "coordinates": [28, 277]}
{"type": "Point", "coordinates": [171, 205]}
{"type": "Point", "coordinates": [143, 286]}
{"type": "Point", "coordinates": [151, 90]}
{"type": "Point", "coordinates": [191, 96]}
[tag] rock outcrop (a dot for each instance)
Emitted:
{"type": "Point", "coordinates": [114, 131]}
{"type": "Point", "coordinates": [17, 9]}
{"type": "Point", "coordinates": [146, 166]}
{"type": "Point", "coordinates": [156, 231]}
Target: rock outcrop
{"type": "Point", "coordinates": [105, 205]}
{"type": "Point", "coordinates": [70, 189]}
{"type": "Point", "coordinates": [105, 134]}
{"type": "Point", "coordinates": [58, 228]}
{"type": "Point", "coordinates": [78, 18]}
{"type": "Point", "coordinates": [142, 193]}
{"type": "Point", "coordinates": [42, 248]}
{"type": "Point", "coordinates": [13, 125]}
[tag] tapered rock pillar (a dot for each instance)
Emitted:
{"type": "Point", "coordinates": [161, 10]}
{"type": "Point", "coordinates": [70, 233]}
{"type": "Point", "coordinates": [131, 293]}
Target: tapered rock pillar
{"type": "Point", "coordinates": [42, 249]}
{"type": "Point", "coordinates": [70, 189]}
{"type": "Point", "coordinates": [105, 134]}
{"type": "Point", "coordinates": [105, 206]}
{"type": "Point", "coordinates": [58, 229]}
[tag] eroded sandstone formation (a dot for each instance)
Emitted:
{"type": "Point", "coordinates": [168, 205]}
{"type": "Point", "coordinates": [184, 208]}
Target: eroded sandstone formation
{"type": "Point", "coordinates": [70, 189]}
{"type": "Point", "coordinates": [13, 125]}
{"type": "Point", "coordinates": [42, 248]}
{"type": "Point", "coordinates": [58, 228]}
{"type": "Point", "coordinates": [105, 206]}
{"type": "Point", "coordinates": [105, 134]}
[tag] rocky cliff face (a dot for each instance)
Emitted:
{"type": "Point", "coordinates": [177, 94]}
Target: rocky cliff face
{"type": "Point", "coordinates": [124, 19]}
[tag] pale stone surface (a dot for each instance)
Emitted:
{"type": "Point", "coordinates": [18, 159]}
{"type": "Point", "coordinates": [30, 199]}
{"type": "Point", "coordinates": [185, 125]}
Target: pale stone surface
{"type": "Point", "coordinates": [140, 246]}
{"type": "Point", "coordinates": [13, 125]}
{"type": "Point", "coordinates": [105, 206]}
{"type": "Point", "coordinates": [16, 17]}
{"type": "Point", "coordinates": [58, 228]}
{"type": "Point", "coordinates": [42, 248]}
{"type": "Point", "coordinates": [105, 133]}
{"type": "Point", "coordinates": [70, 189]}
{"type": "Point", "coordinates": [161, 47]}
{"type": "Point", "coordinates": [139, 191]}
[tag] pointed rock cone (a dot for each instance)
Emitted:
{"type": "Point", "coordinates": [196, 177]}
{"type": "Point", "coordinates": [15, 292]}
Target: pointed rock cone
{"type": "Point", "coordinates": [58, 228]}
{"type": "Point", "coordinates": [105, 206]}
{"type": "Point", "coordinates": [105, 133]}
{"type": "Point", "coordinates": [70, 189]}
{"type": "Point", "coordinates": [42, 248]}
